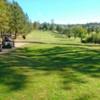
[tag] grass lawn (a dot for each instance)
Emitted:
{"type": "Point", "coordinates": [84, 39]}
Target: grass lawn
{"type": "Point", "coordinates": [53, 68]}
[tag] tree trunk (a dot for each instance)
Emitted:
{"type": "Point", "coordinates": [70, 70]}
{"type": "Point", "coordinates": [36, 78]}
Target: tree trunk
{"type": "Point", "coordinates": [16, 34]}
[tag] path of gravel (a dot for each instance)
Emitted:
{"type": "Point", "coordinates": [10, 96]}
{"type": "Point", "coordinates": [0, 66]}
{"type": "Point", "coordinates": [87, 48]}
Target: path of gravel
{"type": "Point", "coordinates": [17, 45]}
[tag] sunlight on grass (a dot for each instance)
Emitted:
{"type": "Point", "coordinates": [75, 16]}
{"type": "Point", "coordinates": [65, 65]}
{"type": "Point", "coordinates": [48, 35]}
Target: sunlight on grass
{"type": "Point", "coordinates": [51, 70]}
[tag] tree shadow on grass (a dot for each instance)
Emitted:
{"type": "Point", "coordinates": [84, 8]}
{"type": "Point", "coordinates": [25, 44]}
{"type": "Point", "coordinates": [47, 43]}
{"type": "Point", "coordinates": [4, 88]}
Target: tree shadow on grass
{"type": "Point", "coordinates": [68, 44]}
{"type": "Point", "coordinates": [9, 76]}
{"type": "Point", "coordinates": [63, 57]}
{"type": "Point", "coordinates": [59, 60]}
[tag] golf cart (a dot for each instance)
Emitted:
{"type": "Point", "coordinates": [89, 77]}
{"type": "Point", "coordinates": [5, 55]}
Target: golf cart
{"type": "Point", "coordinates": [8, 40]}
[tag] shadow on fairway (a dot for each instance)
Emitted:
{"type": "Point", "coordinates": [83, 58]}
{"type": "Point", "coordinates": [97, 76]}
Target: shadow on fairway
{"type": "Point", "coordinates": [71, 44]}
{"type": "Point", "coordinates": [59, 60]}
{"type": "Point", "coordinates": [10, 75]}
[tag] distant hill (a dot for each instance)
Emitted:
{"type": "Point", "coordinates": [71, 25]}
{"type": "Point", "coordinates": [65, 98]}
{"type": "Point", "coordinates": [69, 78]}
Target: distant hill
{"type": "Point", "coordinates": [94, 25]}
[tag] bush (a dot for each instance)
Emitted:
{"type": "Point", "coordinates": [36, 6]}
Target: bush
{"type": "Point", "coordinates": [69, 36]}
{"type": "Point", "coordinates": [89, 39]}
{"type": "Point", "coordinates": [98, 38]}
{"type": "Point", "coordinates": [44, 29]}
{"type": "Point", "coordinates": [94, 36]}
{"type": "Point", "coordinates": [84, 41]}
{"type": "Point", "coordinates": [24, 36]}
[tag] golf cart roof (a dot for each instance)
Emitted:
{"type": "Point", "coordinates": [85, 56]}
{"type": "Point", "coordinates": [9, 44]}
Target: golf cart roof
{"type": "Point", "coordinates": [9, 35]}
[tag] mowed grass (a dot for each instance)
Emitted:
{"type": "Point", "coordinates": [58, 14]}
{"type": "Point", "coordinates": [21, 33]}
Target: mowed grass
{"type": "Point", "coordinates": [52, 67]}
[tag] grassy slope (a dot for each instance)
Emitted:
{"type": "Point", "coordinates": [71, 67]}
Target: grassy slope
{"type": "Point", "coordinates": [55, 68]}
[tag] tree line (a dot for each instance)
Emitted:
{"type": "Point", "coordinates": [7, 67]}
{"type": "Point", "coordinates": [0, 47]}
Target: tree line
{"type": "Point", "coordinates": [85, 33]}
{"type": "Point", "coordinates": [13, 20]}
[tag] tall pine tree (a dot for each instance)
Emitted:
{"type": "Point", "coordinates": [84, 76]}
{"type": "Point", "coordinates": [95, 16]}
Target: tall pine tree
{"type": "Point", "coordinates": [3, 17]}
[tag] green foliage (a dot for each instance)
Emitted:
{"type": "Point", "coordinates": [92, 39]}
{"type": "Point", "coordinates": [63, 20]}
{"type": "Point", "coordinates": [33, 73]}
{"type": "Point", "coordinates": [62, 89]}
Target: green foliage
{"type": "Point", "coordinates": [52, 27]}
{"type": "Point", "coordinates": [98, 38]}
{"type": "Point", "coordinates": [75, 33]}
{"type": "Point", "coordinates": [89, 30]}
{"type": "Point", "coordinates": [3, 17]}
{"type": "Point", "coordinates": [55, 31]}
{"type": "Point", "coordinates": [24, 36]}
{"type": "Point", "coordinates": [44, 29]}
{"type": "Point", "coordinates": [94, 38]}
{"type": "Point", "coordinates": [36, 25]}
{"type": "Point", "coordinates": [92, 29]}
{"type": "Point", "coordinates": [84, 41]}
{"type": "Point", "coordinates": [40, 27]}
{"type": "Point", "coordinates": [60, 29]}
{"type": "Point", "coordinates": [13, 20]}
{"type": "Point", "coordinates": [80, 32]}
{"type": "Point", "coordinates": [68, 31]}
{"type": "Point", "coordinates": [97, 30]}
{"type": "Point", "coordinates": [45, 26]}
{"type": "Point", "coordinates": [89, 39]}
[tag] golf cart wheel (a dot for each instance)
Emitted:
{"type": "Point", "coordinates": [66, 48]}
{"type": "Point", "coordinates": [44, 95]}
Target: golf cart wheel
{"type": "Point", "coordinates": [11, 47]}
{"type": "Point", "coordinates": [1, 50]}
{"type": "Point", "coordinates": [13, 44]}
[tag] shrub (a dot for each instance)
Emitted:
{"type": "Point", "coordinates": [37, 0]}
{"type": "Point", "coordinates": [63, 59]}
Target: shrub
{"type": "Point", "coordinates": [89, 39]}
{"type": "Point", "coordinates": [44, 29]}
{"type": "Point", "coordinates": [69, 36]}
{"type": "Point", "coordinates": [94, 36]}
{"type": "Point", "coordinates": [24, 36]}
{"type": "Point", "coordinates": [84, 41]}
{"type": "Point", "coordinates": [98, 38]}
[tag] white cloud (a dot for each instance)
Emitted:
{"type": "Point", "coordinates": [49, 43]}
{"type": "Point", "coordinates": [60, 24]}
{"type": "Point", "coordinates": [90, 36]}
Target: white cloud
{"type": "Point", "coordinates": [83, 21]}
{"type": "Point", "coordinates": [64, 22]}
{"type": "Point", "coordinates": [60, 22]}
{"type": "Point", "coordinates": [39, 14]}
{"type": "Point", "coordinates": [40, 22]}
{"type": "Point", "coordinates": [94, 20]}
{"type": "Point", "coordinates": [71, 22]}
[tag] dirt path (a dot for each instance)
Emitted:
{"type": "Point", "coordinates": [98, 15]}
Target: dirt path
{"type": "Point", "coordinates": [17, 45]}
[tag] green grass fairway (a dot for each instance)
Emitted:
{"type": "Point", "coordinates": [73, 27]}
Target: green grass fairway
{"type": "Point", "coordinates": [51, 68]}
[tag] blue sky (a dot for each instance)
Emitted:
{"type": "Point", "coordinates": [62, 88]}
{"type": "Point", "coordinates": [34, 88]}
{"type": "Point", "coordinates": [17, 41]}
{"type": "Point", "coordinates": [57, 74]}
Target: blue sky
{"type": "Point", "coordinates": [62, 11]}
